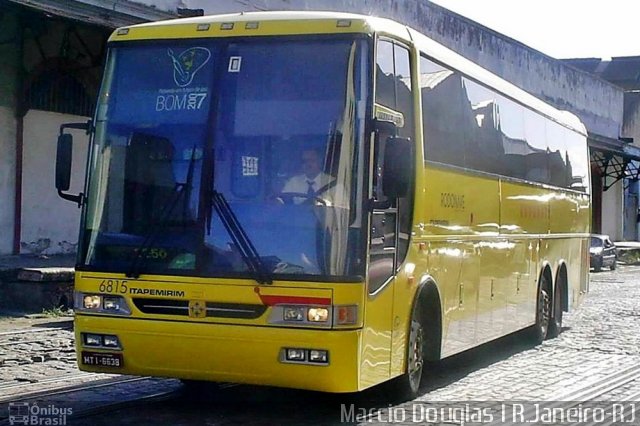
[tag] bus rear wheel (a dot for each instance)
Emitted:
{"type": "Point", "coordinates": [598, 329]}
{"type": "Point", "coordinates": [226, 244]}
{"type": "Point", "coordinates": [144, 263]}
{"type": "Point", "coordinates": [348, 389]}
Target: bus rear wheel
{"type": "Point", "coordinates": [406, 387]}
{"type": "Point", "coordinates": [540, 329]}
{"type": "Point", "coordinates": [555, 322]}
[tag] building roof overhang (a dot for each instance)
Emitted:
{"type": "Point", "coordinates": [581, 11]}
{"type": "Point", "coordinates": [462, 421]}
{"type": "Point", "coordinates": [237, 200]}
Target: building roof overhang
{"type": "Point", "coordinates": [614, 159]}
{"type": "Point", "coordinates": [107, 13]}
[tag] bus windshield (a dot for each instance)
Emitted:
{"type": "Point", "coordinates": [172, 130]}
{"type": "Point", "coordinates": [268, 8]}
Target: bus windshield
{"type": "Point", "coordinates": [206, 150]}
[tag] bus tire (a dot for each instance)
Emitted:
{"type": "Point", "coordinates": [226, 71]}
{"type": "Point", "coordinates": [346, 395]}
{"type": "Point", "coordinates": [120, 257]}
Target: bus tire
{"type": "Point", "coordinates": [555, 322]}
{"type": "Point", "coordinates": [406, 386]}
{"type": "Point", "coordinates": [539, 330]}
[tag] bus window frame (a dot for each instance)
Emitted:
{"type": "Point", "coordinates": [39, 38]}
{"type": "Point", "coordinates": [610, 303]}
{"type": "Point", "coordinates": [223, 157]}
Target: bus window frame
{"type": "Point", "coordinates": [413, 54]}
{"type": "Point", "coordinates": [367, 38]}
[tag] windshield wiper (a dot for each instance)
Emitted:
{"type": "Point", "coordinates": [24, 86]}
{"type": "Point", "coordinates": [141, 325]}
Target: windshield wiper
{"type": "Point", "coordinates": [240, 238]}
{"type": "Point", "coordinates": [179, 190]}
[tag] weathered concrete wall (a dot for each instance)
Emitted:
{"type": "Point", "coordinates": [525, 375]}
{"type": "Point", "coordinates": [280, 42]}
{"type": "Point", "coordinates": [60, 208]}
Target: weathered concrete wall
{"type": "Point", "coordinates": [9, 66]}
{"type": "Point", "coordinates": [612, 207]}
{"type": "Point", "coordinates": [49, 223]}
{"type": "Point", "coordinates": [631, 125]}
{"type": "Point", "coordinates": [7, 178]}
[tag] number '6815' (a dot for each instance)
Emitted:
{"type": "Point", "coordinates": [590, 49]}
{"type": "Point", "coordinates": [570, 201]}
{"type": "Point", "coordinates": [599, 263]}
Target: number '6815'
{"type": "Point", "coordinates": [113, 286]}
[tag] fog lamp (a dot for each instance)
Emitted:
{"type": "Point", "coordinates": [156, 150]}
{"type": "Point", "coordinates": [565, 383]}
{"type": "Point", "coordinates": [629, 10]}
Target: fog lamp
{"type": "Point", "coordinates": [92, 339]}
{"type": "Point", "coordinates": [296, 354]}
{"type": "Point", "coordinates": [318, 314]}
{"type": "Point", "coordinates": [318, 356]}
{"type": "Point", "coordinates": [92, 301]}
{"type": "Point", "coordinates": [110, 341]}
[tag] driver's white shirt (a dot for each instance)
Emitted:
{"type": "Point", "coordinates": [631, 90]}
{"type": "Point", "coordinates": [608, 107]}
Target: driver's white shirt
{"type": "Point", "coordinates": [300, 183]}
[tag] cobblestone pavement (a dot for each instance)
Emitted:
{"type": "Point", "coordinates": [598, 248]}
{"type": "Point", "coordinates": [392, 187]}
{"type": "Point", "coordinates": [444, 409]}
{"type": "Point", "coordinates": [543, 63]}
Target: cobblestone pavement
{"type": "Point", "coordinates": [600, 342]}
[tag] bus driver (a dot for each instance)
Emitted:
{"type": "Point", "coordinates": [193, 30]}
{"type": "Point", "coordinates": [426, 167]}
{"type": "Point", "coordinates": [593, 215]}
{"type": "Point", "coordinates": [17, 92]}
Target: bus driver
{"type": "Point", "coordinates": [312, 184]}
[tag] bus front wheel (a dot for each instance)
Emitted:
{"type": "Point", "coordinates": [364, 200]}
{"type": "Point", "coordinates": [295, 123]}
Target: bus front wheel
{"type": "Point", "coordinates": [406, 386]}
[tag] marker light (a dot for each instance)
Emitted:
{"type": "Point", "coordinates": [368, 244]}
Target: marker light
{"type": "Point", "coordinates": [346, 315]}
{"type": "Point", "coordinates": [318, 314]}
{"type": "Point", "coordinates": [293, 313]}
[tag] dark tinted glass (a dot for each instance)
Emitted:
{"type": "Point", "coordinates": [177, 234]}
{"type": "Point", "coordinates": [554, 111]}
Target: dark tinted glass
{"type": "Point", "coordinates": [443, 114]}
{"type": "Point", "coordinates": [578, 160]}
{"type": "Point", "coordinates": [483, 138]}
{"type": "Point", "coordinates": [513, 139]}
{"type": "Point", "coordinates": [558, 173]}
{"type": "Point", "coordinates": [469, 125]}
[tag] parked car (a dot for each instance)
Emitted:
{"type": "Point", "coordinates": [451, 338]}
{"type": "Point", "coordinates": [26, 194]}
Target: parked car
{"type": "Point", "coordinates": [602, 253]}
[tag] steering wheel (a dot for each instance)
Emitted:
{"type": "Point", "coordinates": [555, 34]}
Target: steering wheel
{"type": "Point", "coordinates": [287, 198]}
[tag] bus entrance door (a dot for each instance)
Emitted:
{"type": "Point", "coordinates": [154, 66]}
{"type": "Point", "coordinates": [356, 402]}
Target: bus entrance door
{"type": "Point", "coordinates": [378, 319]}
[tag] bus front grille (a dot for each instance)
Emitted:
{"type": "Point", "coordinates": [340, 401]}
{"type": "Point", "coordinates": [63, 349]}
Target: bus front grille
{"type": "Point", "coordinates": [214, 309]}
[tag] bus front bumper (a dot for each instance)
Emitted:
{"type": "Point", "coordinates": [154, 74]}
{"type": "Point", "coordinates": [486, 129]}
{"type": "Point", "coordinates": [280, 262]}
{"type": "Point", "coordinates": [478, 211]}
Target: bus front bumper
{"type": "Point", "coordinates": [224, 353]}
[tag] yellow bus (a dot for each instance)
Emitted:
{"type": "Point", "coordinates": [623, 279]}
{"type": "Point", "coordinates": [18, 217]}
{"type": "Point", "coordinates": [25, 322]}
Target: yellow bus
{"type": "Point", "coordinates": [319, 201]}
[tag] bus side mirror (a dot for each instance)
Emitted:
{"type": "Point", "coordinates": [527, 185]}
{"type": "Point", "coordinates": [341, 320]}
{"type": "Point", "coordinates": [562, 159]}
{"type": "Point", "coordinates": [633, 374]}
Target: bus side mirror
{"type": "Point", "coordinates": [64, 156]}
{"type": "Point", "coordinates": [398, 167]}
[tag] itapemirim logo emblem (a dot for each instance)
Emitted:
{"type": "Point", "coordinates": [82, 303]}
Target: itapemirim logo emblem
{"type": "Point", "coordinates": [188, 63]}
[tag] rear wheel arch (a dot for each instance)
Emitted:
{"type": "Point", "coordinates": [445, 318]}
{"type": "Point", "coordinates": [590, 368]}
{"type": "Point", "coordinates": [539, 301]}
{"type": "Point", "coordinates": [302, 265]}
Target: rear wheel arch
{"type": "Point", "coordinates": [428, 299]}
{"type": "Point", "coordinates": [546, 277]}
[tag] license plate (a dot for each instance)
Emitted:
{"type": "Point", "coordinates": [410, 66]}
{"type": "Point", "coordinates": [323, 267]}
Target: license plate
{"type": "Point", "coordinates": [100, 359]}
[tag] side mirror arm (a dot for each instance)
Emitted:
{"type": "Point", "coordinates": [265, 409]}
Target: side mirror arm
{"type": "Point", "coordinates": [76, 198]}
{"type": "Point", "coordinates": [86, 126]}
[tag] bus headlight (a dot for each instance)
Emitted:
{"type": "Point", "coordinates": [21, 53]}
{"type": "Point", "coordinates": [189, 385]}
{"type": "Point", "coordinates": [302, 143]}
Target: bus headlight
{"type": "Point", "coordinates": [99, 303]}
{"type": "Point", "coordinates": [293, 313]}
{"type": "Point", "coordinates": [328, 316]}
{"type": "Point", "coordinates": [111, 303]}
{"type": "Point", "coordinates": [318, 314]}
{"type": "Point", "coordinates": [92, 301]}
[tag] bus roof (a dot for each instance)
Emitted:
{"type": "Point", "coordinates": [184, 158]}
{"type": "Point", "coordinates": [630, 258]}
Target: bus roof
{"type": "Point", "coordinates": [256, 24]}
{"type": "Point", "coordinates": [247, 24]}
